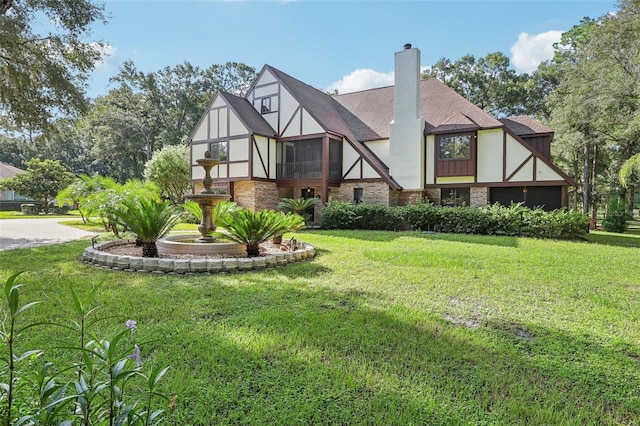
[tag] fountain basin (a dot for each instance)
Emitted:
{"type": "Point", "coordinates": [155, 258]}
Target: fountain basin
{"type": "Point", "coordinates": [103, 259]}
{"type": "Point", "coordinates": [180, 244]}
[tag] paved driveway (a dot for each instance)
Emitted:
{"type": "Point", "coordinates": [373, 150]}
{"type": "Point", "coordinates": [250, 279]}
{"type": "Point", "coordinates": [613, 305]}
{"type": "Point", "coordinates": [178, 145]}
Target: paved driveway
{"type": "Point", "coordinates": [25, 233]}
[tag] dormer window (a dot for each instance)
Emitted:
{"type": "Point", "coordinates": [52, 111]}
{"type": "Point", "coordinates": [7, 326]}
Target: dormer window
{"type": "Point", "coordinates": [455, 147]}
{"type": "Point", "coordinates": [265, 105]}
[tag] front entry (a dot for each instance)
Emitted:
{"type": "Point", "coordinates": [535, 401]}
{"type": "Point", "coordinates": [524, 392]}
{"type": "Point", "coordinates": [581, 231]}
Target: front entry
{"type": "Point", "coordinates": [309, 193]}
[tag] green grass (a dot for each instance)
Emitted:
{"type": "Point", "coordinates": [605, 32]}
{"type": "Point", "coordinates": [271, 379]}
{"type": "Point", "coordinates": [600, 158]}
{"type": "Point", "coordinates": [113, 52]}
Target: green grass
{"type": "Point", "coordinates": [381, 328]}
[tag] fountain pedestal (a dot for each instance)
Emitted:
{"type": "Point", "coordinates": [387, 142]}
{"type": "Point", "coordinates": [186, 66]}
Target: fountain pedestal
{"type": "Point", "coordinates": [207, 199]}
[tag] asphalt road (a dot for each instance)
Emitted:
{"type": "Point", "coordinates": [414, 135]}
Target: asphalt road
{"type": "Point", "coordinates": [33, 232]}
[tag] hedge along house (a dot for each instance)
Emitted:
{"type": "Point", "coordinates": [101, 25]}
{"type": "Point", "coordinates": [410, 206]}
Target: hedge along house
{"type": "Point", "coordinates": [391, 145]}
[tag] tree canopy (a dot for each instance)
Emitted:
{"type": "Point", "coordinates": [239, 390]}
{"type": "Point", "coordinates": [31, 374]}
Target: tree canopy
{"type": "Point", "coordinates": [41, 181]}
{"type": "Point", "coordinates": [43, 73]}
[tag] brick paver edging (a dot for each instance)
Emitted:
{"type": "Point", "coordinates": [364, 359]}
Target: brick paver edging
{"type": "Point", "coordinates": [96, 256]}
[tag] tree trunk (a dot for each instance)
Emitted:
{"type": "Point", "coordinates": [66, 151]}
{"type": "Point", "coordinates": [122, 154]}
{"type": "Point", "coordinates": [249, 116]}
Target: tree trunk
{"type": "Point", "coordinates": [632, 193]}
{"type": "Point", "coordinates": [253, 250]}
{"type": "Point", "coordinates": [585, 181]}
{"type": "Point", "coordinates": [149, 249]}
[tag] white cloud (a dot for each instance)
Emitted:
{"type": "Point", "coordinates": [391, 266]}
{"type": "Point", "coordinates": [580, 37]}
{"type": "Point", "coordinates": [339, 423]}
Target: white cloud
{"type": "Point", "coordinates": [107, 54]}
{"type": "Point", "coordinates": [532, 49]}
{"type": "Point", "coordinates": [361, 79]}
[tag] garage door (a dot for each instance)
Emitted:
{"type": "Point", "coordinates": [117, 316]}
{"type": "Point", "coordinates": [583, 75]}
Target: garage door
{"type": "Point", "coordinates": [546, 197]}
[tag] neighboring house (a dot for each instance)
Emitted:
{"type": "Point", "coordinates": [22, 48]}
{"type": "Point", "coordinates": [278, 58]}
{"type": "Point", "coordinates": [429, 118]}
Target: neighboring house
{"type": "Point", "coordinates": [392, 145]}
{"type": "Point", "coordinates": [7, 171]}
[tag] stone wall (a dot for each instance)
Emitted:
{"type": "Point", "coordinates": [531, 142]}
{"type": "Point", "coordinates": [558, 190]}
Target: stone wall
{"type": "Point", "coordinates": [256, 195]}
{"type": "Point", "coordinates": [479, 196]}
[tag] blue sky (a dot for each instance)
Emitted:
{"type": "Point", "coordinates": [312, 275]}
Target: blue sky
{"type": "Point", "coordinates": [347, 45]}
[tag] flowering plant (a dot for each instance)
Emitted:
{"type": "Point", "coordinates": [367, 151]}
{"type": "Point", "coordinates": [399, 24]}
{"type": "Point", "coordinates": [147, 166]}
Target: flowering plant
{"type": "Point", "coordinates": [97, 386]}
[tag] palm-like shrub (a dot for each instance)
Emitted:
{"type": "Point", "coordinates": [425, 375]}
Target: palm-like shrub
{"type": "Point", "coordinates": [298, 205]}
{"type": "Point", "coordinates": [219, 212]}
{"type": "Point", "coordinates": [252, 228]}
{"type": "Point", "coordinates": [149, 220]}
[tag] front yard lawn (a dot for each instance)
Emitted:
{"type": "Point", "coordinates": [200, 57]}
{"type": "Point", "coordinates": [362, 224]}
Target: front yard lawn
{"type": "Point", "coordinates": [381, 328]}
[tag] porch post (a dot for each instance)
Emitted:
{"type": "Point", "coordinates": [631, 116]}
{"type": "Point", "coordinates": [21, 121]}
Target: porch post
{"type": "Point", "coordinates": [325, 169]}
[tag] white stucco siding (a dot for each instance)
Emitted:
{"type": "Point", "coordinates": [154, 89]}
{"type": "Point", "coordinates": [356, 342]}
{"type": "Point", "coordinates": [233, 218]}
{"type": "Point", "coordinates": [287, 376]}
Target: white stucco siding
{"type": "Point", "coordinates": [544, 172]}
{"type": "Point", "coordinates": [430, 163]}
{"type": "Point", "coordinates": [214, 123]}
{"type": "Point", "coordinates": [239, 149]}
{"type": "Point", "coordinates": [349, 156]}
{"type": "Point", "coordinates": [197, 151]}
{"type": "Point", "coordinates": [260, 149]}
{"type": "Point", "coordinates": [272, 158]}
{"type": "Point", "coordinates": [368, 172]}
{"type": "Point", "coordinates": [269, 90]}
{"type": "Point", "coordinates": [223, 123]}
{"type": "Point", "coordinates": [293, 126]}
{"type": "Point", "coordinates": [490, 155]}
{"type": "Point", "coordinates": [239, 169]}
{"type": "Point", "coordinates": [219, 171]}
{"type": "Point", "coordinates": [380, 149]}
{"type": "Point", "coordinates": [201, 131]}
{"type": "Point", "coordinates": [516, 154]}
{"type": "Point", "coordinates": [197, 172]}
{"type": "Point", "coordinates": [525, 174]}
{"type": "Point", "coordinates": [218, 102]}
{"type": "Point", "coordinates": [266, 78]}
{"type": "Point", "coordinates": [235, 125]}
{"type": "Point", "coordinates": [309, 125]}
{"type": "Point", "coordinates": [288, 106]}
{"type": "Point", "coordinates": [272, 119]}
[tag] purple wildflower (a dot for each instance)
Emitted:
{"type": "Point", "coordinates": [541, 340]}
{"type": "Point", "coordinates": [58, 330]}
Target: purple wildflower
{"type": "Point", "coordinates": [136, 355]}
{"type": "Point", "coordinates": [131, 324]}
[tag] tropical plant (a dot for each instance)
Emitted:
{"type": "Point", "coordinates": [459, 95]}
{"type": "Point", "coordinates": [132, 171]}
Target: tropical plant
{"type": "Point", "coordinates": [219, 212]}
{"type": "Point", "coordinates": [299, 206]}
{"type": "Point", "coordinates": [253, 228]}
{"type": "Point", "coordinates": [149, 220]}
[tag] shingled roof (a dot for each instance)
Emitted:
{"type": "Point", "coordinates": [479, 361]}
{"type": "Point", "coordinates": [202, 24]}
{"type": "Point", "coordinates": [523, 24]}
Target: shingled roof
{"type": "Point", "coordinates": [523, 125]}
{"type": "Point", "coordinates": [443, 109]}
{"type": "Point", "coordinates": [251, 118]}
{"type": "Point", "coordinates": [333, 117]}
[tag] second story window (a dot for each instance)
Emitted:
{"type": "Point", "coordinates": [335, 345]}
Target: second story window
{"type": "Point", "coordinates": [455, 147]}
{"type": "Point", "coordinates": [219, 151]}
{"type": "Point", "coordinates": [265, 105]}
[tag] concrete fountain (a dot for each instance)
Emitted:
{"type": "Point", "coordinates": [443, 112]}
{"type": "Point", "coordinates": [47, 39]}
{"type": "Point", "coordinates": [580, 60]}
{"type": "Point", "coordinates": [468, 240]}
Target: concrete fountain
{"type": "Point", "coordinates": [207, 199]}
{"type": "Point", "coordinates": [193, 254]}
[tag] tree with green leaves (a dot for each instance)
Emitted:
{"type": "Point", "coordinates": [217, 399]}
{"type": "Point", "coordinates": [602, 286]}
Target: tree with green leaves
{"type": "Point", "coordinates": [169, 169]}
{"type": "Point", "coordinates": [488, 82]}
{"type": "Point", "coordinates": [596, 105]}
{"type": "Point", "coordinates": [42, 72]}
{"type": "Point", "coordinates": [41, 181]}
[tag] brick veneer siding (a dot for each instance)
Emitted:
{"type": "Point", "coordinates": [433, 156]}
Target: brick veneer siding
{"type": "Point", "coordinates": [372, 192]}
{"type": "Point", "coordinates": [433, 194]}
{"type": "Point", "coordinates": [479, 196]}
{"type": "Point", "coordinates": [402, 198]}
{"type": "Point", "coordinates": [256, 195]}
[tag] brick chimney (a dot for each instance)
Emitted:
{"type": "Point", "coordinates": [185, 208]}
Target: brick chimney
{"type": "Point", "coordinates": [406, 140]}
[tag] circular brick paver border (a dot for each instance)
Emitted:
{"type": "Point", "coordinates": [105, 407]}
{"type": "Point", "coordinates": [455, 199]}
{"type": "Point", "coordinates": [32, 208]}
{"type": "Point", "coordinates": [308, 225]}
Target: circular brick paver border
{"type": "Point", "coordinates": [96, 256]}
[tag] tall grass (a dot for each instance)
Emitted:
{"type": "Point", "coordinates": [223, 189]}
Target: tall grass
{"type": "Point", "coordinates": [381, 328]}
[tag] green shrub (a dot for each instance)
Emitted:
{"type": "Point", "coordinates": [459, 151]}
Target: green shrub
{"type": "Point", "coordinates": [514, 220]}
{"type": "Point", "coordinates": [339, 215]}
{"type": "Point", "coordinates": [378, 217]}
{"type": "Point", "coordinates": [615, 219]}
